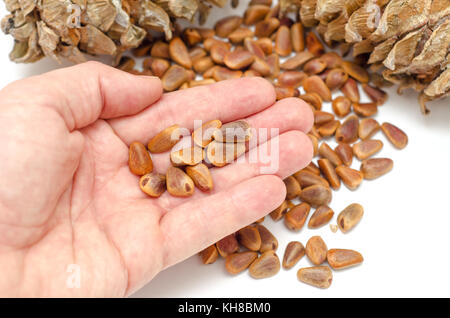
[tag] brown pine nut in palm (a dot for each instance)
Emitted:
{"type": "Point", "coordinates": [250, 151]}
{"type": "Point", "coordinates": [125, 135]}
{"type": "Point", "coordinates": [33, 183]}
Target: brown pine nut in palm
{"type": "Point", "coordinates": [179, 184]}
{"type": "Point", "coordinates": [206, 33]}
{"type": "Point", "coordinates": [352, 178]}
{"type": "Point", "coordinates": [279, 212]}
{"type": "Point", "coordinates": [218, 52]}
{"type": "Point", "coordinates": [201, 176]}
{"type": "Point", "coordinates": [220, 154]}
{"type": "Point", "coordinates": [357, 72]}
{"type": "Point", "coordinates": [312, 167]}
{"type": "Point", "coordinates": [350, 217]}
{"type": "Point", "coordinates": [345, 153]}
{"type": "Point", "coordinates": [268, 241]}
{"type": "Point", "coordinates": [293, 188]}
{"type": "Point", "coordinates": [317, 276]}
{"type": "Point", "coordinates": [365, 109]}
{"type": "Point", "coordinates": [179, 53]}
{"type": "Point", "coordinates": [315, 133]}
{"type": "Point", "coordinates": [314, 84]}
{"type": "Point", "coordinates": [376, 95]}
{"type": "Point", "coordinates": [238, 35]}
{"type": "Point", "coordinates": [296, 217]}
{"type": "Point", "coordinates": [139, 160]}
{"type": "Point", "coordinates": [341, 106]}
{"type": "Point", "coordinates": [316, 195]}
{"type": "Point", "coordinates": [223, 74]}
{"type": "Point", "coordinates": [329, 172]}
{"type": "Point", "coordinates": [316, 250]}
{"type": "Point", "coordinates": [238, 262]}
{"type": "Point", "coordinates": [265, 28]}
{"type": "Point", "coordinates": [315, 143]}
{"type": "Point", "coordinates": [238, 59]}
{"type": "Point", "coordinates": [249, 238]}
{"type": "Point", "coordinates": [210, 72]}
{"type": "Point", "coordinates": [348, 131]}
{"type": "Point", "coordinates": [210, 42]}
{"type": "Point", "coordinates": [192, 36]}
{"type": "Point", "coordinates": [332, 59]}
{"type": "Point", "coordinates": [367, 128]}
{"type": "Point", "coordinates": [336, 78]}
{"type": "Point", "coordinates": [321, 117]}
{"type": "Point", "coordinates": [255, 13]}
{"type": "Point", "coordinates": [261, 67]}
{"type": "Point", "coordinates": [207, 81]}
{"type": "Point", "coordinates": [313, 99]}
{"type": "Point", "coordinates": [376, 167]}
{"type": "Point", "coordinates": [351, 91]}
{"type": "Point", "coordinates": [153, 184]}
{"type": "Point", "coordinates": [320, 217]}
{"type": "Point", "coordinates": [228, 245]}
{"type": "Point", "coordinates": [293, 253]}
{"type": "Point", "coordinates": [267, 265]}
{"type": "Point", "coordinates": [328, 129]}
{"type": "Point", "coordinates": [274, 64]}
{"type": "Point", "coordinates": [283, 45]}
{"type": "Point", "coordinates": [266, 45]}
{"type": "Point", "coordinates": [165, 140]}
{"type": "Point", "coordinates": [367, 148]}
{"type": "Point", "coordinates": [314, 66]}
{"type": "Point", "coordinates": [254, 48]}
{"type": "Point", "coordinates": [209, 255]}
{"type": "Point", "coordinates": [160, 49]}
{"type": "Point", "coordinates": [297, 37]}
{"type": "Point", "coordinates": [159, 66]}
{"type": "Point", "coordinates": [236, 131]}
{"type": "Point", "coordinates": [325, 151]}
{"type": "Point", "coordinates": [296, 61]}
{"type": "Point", "coordinates": [203, 135]}
{"type": "Point", "coordinates": [395, 135]}
{"type": "Point", "coordinates": [307, 178]}
{"type": "Point", "coordinates": [201, 65]}
{"type": "Point", "coordinates": [314, 45]}
{"type": "Point", "coordinates": [342, 258]}
{"type": "Point", "coordinates": [291, 78]}
{"type": "Point", "coordinates": [227, 25]}
{"type": "Point", "coordinates": [286, 92]}
{"type": "Point", "coordinates": [174, 77]}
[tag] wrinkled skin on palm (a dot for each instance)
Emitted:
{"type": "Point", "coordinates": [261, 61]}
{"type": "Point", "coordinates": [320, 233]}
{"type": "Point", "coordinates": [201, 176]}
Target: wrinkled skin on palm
{"type": "Point", "coordinates": [71, 28]}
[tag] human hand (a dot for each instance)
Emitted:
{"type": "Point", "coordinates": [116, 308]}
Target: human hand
{"type": "Point", "coordinates": [67, 195]}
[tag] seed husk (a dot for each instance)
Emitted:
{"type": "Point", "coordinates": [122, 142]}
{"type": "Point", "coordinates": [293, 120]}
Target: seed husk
{"type": "Point", "coordinates": [179, 184]}
{"type": "Point", "coordinates": [296, 217]}
{"type": "Point", "coordinates": [267, 265]}
{"type": "Point", "coordinates": [376, 167]}
{"type": "Point", "coordinates": [293, 188]}
{"type": "Point", "coordinates": [350, 217]}
{"type": "Point", "coordinates": [316, 195]}
{"type": "Point", "coordinates": [209, 255]}
{"type": "Point", "coordinates": [316, 250]}
{"type": "Point", "coordinates": [293, 253]}
{"type": "Point", "coordinates": [336, 78]}
{"type": "Point", "coordinates": [317, 276]}
{"type": "Point", "coordinates": [283, 45]}
{"type": "Point", "coordinates": [297, 37]}
{"type": "Point", "coordinates": [308, 178]}
{"type": "Point", "coordinates": [165, 140]}
{"type": "Point", "coordinates": [352, 178]}
{"type": "Point", "coordinates": [238, 262]}
{"type": "Point", "coordinates": [367, 128]}
{"type": "Point", "coordinates": [227, 25]}
{"type": "Point", "coordinates": [203, 64]}
{"type": "Point", "coordinates": [395, 135]}
{"type": "Point", "coordinates": [345, 153]}
{"type": "Point", "coordinates": [341, 106]}
{"type": "Point", "coordinates": [266, 27]}
{"type": "Point", "coordinates": [365, 109]}
{"type": "Point", "coordinates": [279, 212]}
{"type": "Point", "coordinates": [255, 13]}
{"type": "Point", "coordinates": [342, 258]}
{"type": "Point", "coordinates": [201, 176]}
{"type": "Point", "coordinates": [238, 35]}
{"type": "Point", "coordinates": [376, 95]}
{"type": "Point", "coordinates": [313, 99]}
{"type": "Point", "coordinates": [357, 72]}
{"type": "Point", "coordinates": [160, 49]}
{"type": "Point", "coordinates": [329, 172]}
{"type": "Point", "coordinates": [314, 66]}
{"type": "Point", "coordinates": [203, 135]}
{"type": "Point", "coordinates": [292, 78]}
{"type": "Point", "coordinates": [174, 77]}
{"type": "Point", "coordinates": [228, 245]}
{"type": "Point", "coordinates": [240, 59]}
{"type": "Point", "coordinates": [179, 53]}
{"type": "Point", "coordinates": [286, 92]}
{"type": "Point", "coordinates": [348, 131]}
{"type": "Point", "coordinates": [314, 45]}
{"type": "Point", "coordinates": [367, 148]}
{"type": "Point", "coordinates": [220, 154]}
{"type": "Point", "coordinates": [153, 184]}
{"type": "Point", "coordinates": [314, 84]}
{"type": "Point", "coordinates": [325, 151]}
{"type": "Point", "coordinates": [268, 241]}
{"type": "Point", "coordinates": [350, 90]}
{"type": "Point", "coordinates": [329, 128]}
{"type": "Point", "coordinates": [139, 160]}
{"type": "Point", "coordinates": [223, 74]}
{"type": "Point", "coordinates": [297, 60]}
{"type": "Point", "coordinates": [320, 217]}
{"type": "Point", "coordinates": [236, 131]}
{"type": "Point", "coordinates": [321, 117]}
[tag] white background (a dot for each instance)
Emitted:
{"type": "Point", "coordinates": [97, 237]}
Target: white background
{"type": "Point", "coordinates": [404, 235]}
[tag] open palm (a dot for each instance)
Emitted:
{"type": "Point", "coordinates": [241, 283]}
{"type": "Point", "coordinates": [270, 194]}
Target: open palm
{"type": "Point", "coordinates": [73, 221]}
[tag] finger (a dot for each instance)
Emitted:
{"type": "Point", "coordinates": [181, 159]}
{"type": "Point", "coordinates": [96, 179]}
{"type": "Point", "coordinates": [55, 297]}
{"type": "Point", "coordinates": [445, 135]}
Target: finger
{"type": "Point", "coordinates": [197, 224]}
{"type": "Point", "coordinates": [81, 94]}
{"type": "Point", "coordinates": [227, 101]}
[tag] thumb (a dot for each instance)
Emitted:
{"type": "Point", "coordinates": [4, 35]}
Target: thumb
{"type": "Point", "coordinates": [83, 93]}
